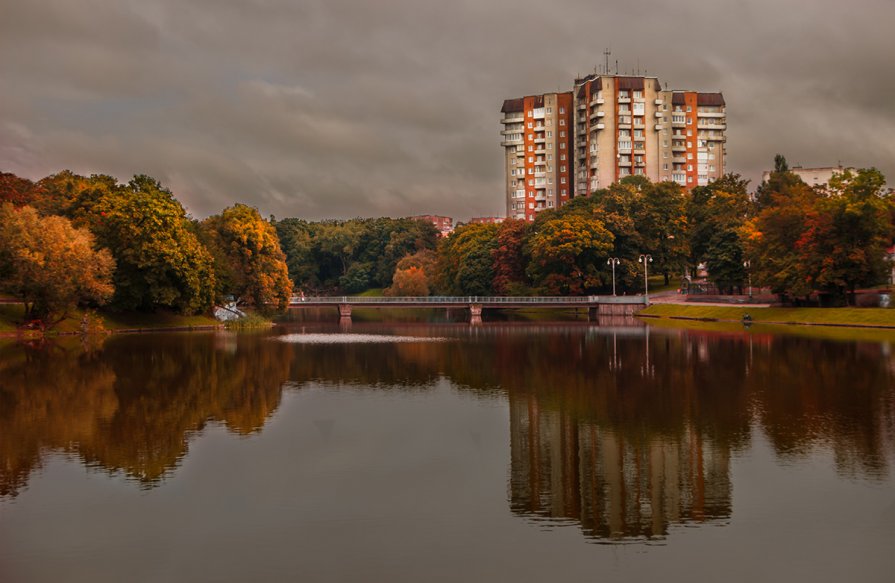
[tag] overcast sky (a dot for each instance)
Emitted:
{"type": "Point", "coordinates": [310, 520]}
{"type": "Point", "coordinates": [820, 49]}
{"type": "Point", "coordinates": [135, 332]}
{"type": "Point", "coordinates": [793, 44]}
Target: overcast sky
{"type": "Point", "coordinates": [338, 108]}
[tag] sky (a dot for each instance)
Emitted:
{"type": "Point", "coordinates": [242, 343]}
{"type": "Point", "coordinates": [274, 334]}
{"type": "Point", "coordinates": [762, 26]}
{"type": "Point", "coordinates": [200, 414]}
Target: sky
{"type": "Point", "coordinates": [339, 109]}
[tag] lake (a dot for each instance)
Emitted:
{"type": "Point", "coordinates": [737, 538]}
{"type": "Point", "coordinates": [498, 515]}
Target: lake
{"type": "Point", "coordinates": [507, 451]}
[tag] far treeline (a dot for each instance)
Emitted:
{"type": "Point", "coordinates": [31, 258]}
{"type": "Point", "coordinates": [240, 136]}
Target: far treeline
{"type": "Point", "coordinates": [69, 240]}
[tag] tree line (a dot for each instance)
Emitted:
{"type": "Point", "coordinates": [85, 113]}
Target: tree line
{"type": "Point", "coordinates": [69, 240]}
{"type": "Point", "coordinates": [790, 237]}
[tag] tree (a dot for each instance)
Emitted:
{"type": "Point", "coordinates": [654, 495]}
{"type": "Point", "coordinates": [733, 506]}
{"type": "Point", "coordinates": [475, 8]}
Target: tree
{"type": "Point", "coordinates": [160, 261]}
{"type": "Point", "coordinates": [661, 221]}
{"type": "Point", "coordinates": [567, 252]}
{"type": "Point", "coordinates": [510, 258]}
{"type": "Point", "coordinates": [465, 262]}
{"type": "Point", "coordinates": [15, 190]}
{"type": "Point", "coordinates": [51, 265]}
{"type": "Point", "coordinates": [776, 240]}
{"type": "Point", "coordinates": [414, 274]}
{"type": "Point", "coordinates": [851, 233]}
{"type": "Point", "coordinates": [249, 263]}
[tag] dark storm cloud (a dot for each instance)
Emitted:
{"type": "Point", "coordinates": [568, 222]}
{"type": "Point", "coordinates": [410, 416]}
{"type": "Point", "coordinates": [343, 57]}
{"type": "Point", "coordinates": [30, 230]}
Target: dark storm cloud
{"type": "Point", "coordinates": [337, 108]}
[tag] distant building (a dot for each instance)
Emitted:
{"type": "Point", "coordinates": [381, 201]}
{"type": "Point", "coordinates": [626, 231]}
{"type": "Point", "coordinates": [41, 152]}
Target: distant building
{"type": "Point", "coordinates": [487, 220]}
{"type": "Point", "coordinates": [561, 145]}
{"type": "Point", "coordinates": [812, 176]}
{"type": "Point", "coordinates": [445, 225]}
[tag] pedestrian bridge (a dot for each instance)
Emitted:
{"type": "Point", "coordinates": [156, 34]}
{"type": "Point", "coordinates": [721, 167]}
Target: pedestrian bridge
{"type": "Point", "coordinates": [595, 305]}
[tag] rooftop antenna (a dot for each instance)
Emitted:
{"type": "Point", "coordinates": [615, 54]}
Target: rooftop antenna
{"type": "Point", "coordinates": [638, 66]}
{"type": "Point", "coordinates": [606, 53]}
{"type": "Point", "coordinates": [616, 66]}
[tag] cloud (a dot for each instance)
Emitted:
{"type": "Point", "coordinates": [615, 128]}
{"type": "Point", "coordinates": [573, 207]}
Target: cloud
{"type": "Point", "coordinates": [331, 108]}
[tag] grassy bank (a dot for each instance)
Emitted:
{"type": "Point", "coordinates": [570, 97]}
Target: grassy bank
{"type": "Point", "coordinates": [11, 315]}
{"type": "Point", "coordinates": [858, 317]}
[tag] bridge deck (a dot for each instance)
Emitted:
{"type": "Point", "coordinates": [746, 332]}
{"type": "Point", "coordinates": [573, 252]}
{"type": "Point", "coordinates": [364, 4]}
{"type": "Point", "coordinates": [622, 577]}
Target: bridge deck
{"type": "Point", "coordinates": [465, 301]}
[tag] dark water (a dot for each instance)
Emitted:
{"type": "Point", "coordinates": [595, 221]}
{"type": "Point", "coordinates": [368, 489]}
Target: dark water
{"type": "Point", "coordinates": [414, 452]}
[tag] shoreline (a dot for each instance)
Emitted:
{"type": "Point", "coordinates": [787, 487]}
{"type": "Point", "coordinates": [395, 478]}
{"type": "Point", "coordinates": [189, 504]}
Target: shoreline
{"type": "Point", "coordinates": [858, 318]}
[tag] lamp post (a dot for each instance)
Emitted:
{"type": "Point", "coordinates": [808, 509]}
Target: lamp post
{"type": "Point", "coordinates": [613, 261]}
{"type": "Point", "coordinates": [646, 260]}
{"type": "Point", "coordinates": [748, 265]}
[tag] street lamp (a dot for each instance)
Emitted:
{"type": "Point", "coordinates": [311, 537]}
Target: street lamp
{"type": "Point", "coordinates": [748, 265]}
{"type": "Point", "coordinates": [646, 260]}
{"type": "Point", "coordinates": [613, 261]}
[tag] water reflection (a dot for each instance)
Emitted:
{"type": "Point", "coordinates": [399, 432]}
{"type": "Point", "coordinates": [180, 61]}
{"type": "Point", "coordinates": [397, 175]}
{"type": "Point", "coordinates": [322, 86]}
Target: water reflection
{"type": "Point", "coordinates": [623, 430]}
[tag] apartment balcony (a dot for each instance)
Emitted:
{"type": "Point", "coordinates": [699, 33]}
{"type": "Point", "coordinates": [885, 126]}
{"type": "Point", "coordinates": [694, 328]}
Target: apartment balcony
{"type": "Point", "coordinates": [678, 124]}
{"type": "Point", "coordinates": [712, 126]}
{"type": "Point", "coordinates": [540, 140]}
{"type": "Point", "coordinates": [597, 126]}
{"type": "Point", "coordinates": [679, 160]}
{"type": "Point", "coordinates": [594, 164]}
{"type": "Point", "coordinates": [658, 114]}
{"type": "Point", "coordinates": [658, 102]}
{"type": "Point", "coordinates": [624, 150]}
{"type": "Point", "coordinates": [541, 197]}
{"type": "Point", "coordinates": [624, 163]}
{"type": "Point", "coordinates": [624, 99]}
{"type": "Point", "coordinates": [519, 194]}
{"type": "Point", "coordinates": [538, 113]}
{"type": "Point", "coordinates": [658, 127]}
{"type": "Point", "coordinates": [540, 174]}
{"type": "Point", "coordinates": [597, 101]}
{"type": "Point", "coordinates": [540, 162]}
{"type": "Point", "coordinates": [517, 142]}
{"type": "Point", "coordinates": [540, 128]}
{"type": "Point", "coordinates": [711, 114]}
{"type": "Point", "coordinates": [597, 114]}
{"type": "Point", "coordinates": [540, 150]}
{"type": "Point", "coordinates": [513, 119]}
{"type": "Point", "coordinates": [640, 150]}
{"type": "Point", "coordinates": [678, 148]}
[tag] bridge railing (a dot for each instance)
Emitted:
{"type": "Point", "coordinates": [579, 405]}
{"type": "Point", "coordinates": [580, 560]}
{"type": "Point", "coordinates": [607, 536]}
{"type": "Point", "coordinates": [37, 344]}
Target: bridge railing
{"type": "Point", "coordinates": [438, 300]}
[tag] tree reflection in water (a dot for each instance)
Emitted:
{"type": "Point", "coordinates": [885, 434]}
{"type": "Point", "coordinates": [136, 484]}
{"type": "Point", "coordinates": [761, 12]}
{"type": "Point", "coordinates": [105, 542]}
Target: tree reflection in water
{"type": "Point", "coordinates": [622, 430]}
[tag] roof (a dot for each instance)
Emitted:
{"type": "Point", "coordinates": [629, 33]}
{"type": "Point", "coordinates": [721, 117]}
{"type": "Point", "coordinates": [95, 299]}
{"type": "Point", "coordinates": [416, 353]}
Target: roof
{"type": "Point", "coordinates": [710, 99]}
{"type": "Point", "coordinates": [677, 98]}
{"type": "Point", "coordinates": [513, 106]}
{"type": "Point", "coordinates": [630, 83]}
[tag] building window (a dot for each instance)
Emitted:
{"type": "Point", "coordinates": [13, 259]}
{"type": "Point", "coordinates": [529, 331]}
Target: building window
{"type": "Point", "coordinates": [562, 168]}
{"type": "Point", "coordinates": [689, 109]}
{"type": "Point", "coordinates": [562, 134]}
{"type": "Point", "coordinates": [562, 146]}
{"type": "Point", "coordinates": [689, 167]}
{"type": "Point", "coordinates": [562, 110]}
{"type": "Point", "coordinates": [529, 113]}
{"type": "Point", "coordinates": [562, 180]}
{"type": "Point", "coordinates": [565, 191]}
{"type": "Point", "coordinates": [531, 159]}
{"type": "Point", "coordinates": [562, 156]}
{"type": "Point", "coordinates": [549, 134]}
{"type": "Point", "coordinates": [562, 122]}
{"type": "Point", "coordinates": [549, 110]}
{"type": "Point", "coordinates": [531, 125]}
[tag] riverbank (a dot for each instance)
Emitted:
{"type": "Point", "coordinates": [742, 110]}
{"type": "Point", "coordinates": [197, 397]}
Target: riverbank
{"type": "Point", "coordinates": [841, 317]}
{"type": "Point", "coordinates": [106, 322]}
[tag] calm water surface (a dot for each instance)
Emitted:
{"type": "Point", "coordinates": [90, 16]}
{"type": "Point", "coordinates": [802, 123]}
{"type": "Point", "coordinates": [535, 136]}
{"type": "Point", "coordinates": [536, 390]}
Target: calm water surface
{"type": "Point", "coordinates": [418, 452]}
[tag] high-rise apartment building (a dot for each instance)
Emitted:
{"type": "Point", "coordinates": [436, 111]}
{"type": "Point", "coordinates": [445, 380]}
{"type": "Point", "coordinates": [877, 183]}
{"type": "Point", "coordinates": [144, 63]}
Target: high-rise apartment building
{"type": "Point", "coordinates": [537, 139]}
{"type": "Point", "coordinates": [621, 126]}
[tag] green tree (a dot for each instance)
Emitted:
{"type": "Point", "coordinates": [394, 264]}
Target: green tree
{"type": "Point", "coordinates": [851, 232]}
{"type": "Point", "coordinates": [249, 263]}
{"type": "Point", "coordinates": [160, 261]}
{"type": "Point", "coordinates": [51, 265]}
{"type": "Point", "coordinates": [661, 221]}
{"type": "Point", "coordinates": [465, 261]}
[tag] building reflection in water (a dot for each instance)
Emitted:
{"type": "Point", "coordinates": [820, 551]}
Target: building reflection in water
{"type": "Point", "coordinates": [615, 484]}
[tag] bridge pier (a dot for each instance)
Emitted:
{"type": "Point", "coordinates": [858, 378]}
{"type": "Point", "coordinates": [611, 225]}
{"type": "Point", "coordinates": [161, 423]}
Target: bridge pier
{"type": "Point", "coordinates": [475, 312]}
{"type": "Point", "coordinates": [345, 311]}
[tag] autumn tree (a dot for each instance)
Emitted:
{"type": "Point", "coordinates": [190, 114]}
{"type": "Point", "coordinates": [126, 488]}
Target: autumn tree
{"type": "Point", "coordinates": [51, 265]}
{"type": "Point", "coordinates": [414, 275]}
{"type": "Point", "coordinates": [567, 252]}
{"type": "Point", "coordinates": [249, 263]}
{"type": "Point", "coordinates": [510, 258]}
{"type": "Point", "coordinates": [16, 190]}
